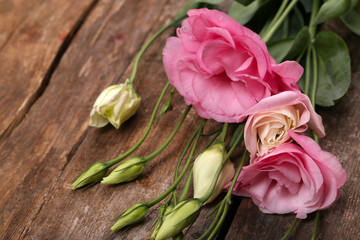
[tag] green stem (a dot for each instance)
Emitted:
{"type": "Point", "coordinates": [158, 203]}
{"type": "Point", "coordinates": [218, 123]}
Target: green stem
{"type": "Point", "coordinates": [174, 185]}
{"type": "Point", "coordinates": [315, 10]}
{"type": "Point", "coordinates": [232, 149]}
{"type": "Point", "coordinates": [183, 155]}
{"type": "Point", "coordinates": [346, 192]}
{"type": "Point", "coordinates": [218, 225]}
{"type": "Point", "coordinates": [314, 83]}
{"type": "Point", "coordinates": [315, 76]}
{"type": "Point", "coordinates": [141, 140]}
{"type": "Point", "coordinates": [307, 71]}
{"type": "Point", "coordinates": [178, 165]}
{"type": "Point", "coordinates": [172, 135]}
{"type": "Point", "coordinates": [317, 221]}
{"type": "Point", "coordinates": [224, 131]}
{"type": "Point", "coordinates": [288, 232]}
{"type": "Point", "coordinates": [215, 220]}
{"type": "Point", "coordinates": [276, 17]}
{"type": "Point", "coordinates": [268, 34]}
{"type": "Point", "coordinates": [144, 48]}
{"type": "Point", "coordinates": [186, 186]}
{"type": "Point", "coordinates": [237, 174]}
{"type": "Point", "coordinates": [188, 180]}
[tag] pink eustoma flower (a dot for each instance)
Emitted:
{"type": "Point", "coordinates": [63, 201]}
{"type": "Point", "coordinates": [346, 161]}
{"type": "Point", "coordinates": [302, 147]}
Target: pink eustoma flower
{"type": "Point", "coordinates": [223, 68]}
{"type": "Point", "coordinates": [269, 121]}
{"type": "Point", "coordinates": [293, 179]}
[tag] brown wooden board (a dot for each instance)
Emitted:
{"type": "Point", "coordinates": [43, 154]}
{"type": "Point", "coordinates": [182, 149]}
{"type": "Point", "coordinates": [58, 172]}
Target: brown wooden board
{"type": "Point", "coordinates": [32, 37]}
{"type": "Point", "coordinates": [49, 142]}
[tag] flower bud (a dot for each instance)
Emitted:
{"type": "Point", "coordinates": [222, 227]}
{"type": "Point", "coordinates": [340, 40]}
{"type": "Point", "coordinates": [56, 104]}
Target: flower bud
{"type": "Point", "coordinates": [163, 210]}
{"type": "Point", "coordinates": [205, 167]}
{"type": "Point", "coordinates": [93, 174]}
{"type": "Point", "coordinates": [184, 214]}
{"type": "Point", "coordinates": [130, 216]}
{"type": "Point", "coordinates": [115, 104]}
{"type": "Point", "coordinates": [126, 171]}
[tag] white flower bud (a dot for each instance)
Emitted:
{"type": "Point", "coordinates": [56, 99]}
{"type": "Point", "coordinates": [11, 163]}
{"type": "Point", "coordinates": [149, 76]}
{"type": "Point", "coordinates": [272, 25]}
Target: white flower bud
{"type": "Point", "coordinates": [115, 104]}
{"type": "Point", "coordinates": [183, 215]}
{"type": "Point", "coordinates": [91, 175]}
{"type": "Point", "coordinates": [126, 171]}
{"type": "Point", "coordinates": [130, 216]}
{"type": "Point", "coordinates": [205, 167]}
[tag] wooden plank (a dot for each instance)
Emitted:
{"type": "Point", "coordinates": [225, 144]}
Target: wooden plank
{"type": "Point", "coordinates": [343, 132]}
{"type": "Point", "coordinates": [41, 156]}
{"type": "Point", "coordinates": [32, 33]}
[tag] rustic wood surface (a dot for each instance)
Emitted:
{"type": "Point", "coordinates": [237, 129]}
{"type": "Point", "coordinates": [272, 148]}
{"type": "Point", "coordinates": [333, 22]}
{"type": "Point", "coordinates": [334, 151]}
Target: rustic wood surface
{"type": "Point", "coordinates": [56, 57]}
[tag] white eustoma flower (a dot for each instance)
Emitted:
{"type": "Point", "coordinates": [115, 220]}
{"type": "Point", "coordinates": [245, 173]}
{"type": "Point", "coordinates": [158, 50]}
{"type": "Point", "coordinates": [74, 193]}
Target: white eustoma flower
{"type": "Point", "coordinates": [115, 104]}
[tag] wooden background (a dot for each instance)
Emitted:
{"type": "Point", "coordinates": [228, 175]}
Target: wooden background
{"type": "Point", "coordinates": [55, 58]}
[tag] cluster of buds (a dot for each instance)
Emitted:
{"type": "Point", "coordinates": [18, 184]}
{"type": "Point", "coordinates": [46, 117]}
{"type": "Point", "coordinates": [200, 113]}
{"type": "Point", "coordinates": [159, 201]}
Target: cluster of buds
{"type": "Point", "coordinates": [115, 104]}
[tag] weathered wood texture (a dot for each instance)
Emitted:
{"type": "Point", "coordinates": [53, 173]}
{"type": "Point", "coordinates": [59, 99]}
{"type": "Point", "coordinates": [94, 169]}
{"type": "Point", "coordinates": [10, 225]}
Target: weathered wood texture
{"type": "Point", "coordinates": [49, 83]}
{"type": "Point", "coordinates": [32, 35]}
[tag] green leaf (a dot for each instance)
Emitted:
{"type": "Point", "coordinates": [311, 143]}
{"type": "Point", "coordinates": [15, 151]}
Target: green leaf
{"type": "Point", "coordinates": [352, 21]}
{"type": "Point", "coordinates": [194, 4]}
{"type": "Point", "coordinates": [333, 68]}
{"type": "Point", "coordinates": [280, 48]}
{"type": "Point", "coordinates": [290, 27]}
{"type": "Point", "coordinates": [331, 9]}
{"type": "Point", "coordinates": [290, 48]}
{"type": "Point", "coordinates": [307, 5]}
{"type": "Point", "coordinates": [245, 2]}
{"type": "Point", "coordinates": [242, 13]}
{"type": "Point", "coordinates": [302, 41]}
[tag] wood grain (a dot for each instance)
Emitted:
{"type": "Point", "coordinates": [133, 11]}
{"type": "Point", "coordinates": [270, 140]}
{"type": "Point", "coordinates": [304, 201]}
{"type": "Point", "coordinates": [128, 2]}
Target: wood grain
{"type": "Point", "coordinates": [34, 156]}
{"type": "Point", "coordinates": [32, 34]}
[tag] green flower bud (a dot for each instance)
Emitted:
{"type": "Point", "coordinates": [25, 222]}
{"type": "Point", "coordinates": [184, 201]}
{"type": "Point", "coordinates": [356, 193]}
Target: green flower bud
{"type": "Point", "coordinates": [163, 210]}
{"type": "Point", "coordinates": [115, 104]}
{"type": "Point", "coordinates": [126, 171]}
{"type": "Point", "coordinates": [184, 214]}
{"type": "Point", "coordinates": [204, 171]}
{"type": "Point", "coordinates": [130, 216]}
{"type": "Point", "coordinates": [93, 174]}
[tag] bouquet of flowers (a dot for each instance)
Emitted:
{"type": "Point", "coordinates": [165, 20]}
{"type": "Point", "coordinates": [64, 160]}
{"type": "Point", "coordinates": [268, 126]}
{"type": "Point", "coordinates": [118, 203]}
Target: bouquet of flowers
{"type": "Point", "coordinates": [258, 69]}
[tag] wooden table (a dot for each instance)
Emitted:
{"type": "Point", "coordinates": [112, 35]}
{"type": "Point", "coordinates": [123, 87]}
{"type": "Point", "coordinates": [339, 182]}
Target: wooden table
{"type": "Point", "coordinates": [56, 56]}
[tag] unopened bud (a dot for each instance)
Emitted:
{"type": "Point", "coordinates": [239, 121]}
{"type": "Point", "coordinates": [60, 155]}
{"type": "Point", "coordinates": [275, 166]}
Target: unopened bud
{"type": "Point", "coordinates": [93, 174]}
{"type": "Point", "coordinates": [126, 171]}
{"type": "Point", "coordinates": [205, 168]}
{"type": "Point", "coordinates": [115, 104]}
{"type": "Point", "coordinates": [184, 214]}
{"type": "Point", "coordinates": [130, 216]}
{"type": "Point", "coordinates": [164, 209]}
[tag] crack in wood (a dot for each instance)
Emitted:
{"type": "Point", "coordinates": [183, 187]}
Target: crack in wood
{"type": "Point", "coordinates": [46, 80]}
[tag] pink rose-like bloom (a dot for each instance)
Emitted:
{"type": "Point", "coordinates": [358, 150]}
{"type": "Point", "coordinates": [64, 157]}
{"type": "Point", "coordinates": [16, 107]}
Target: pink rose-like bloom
{"type": "Point", "coordinates": [223, 68]}
{"type": "Point", "coordinates": [269, 121]}
{"type": "Point", "coordinates": [293, 179]}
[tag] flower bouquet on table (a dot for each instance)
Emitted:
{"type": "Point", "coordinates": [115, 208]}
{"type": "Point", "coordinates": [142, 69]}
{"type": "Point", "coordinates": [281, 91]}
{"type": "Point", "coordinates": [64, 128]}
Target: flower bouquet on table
{"type": "Point", "coordinates": [261, 69]}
